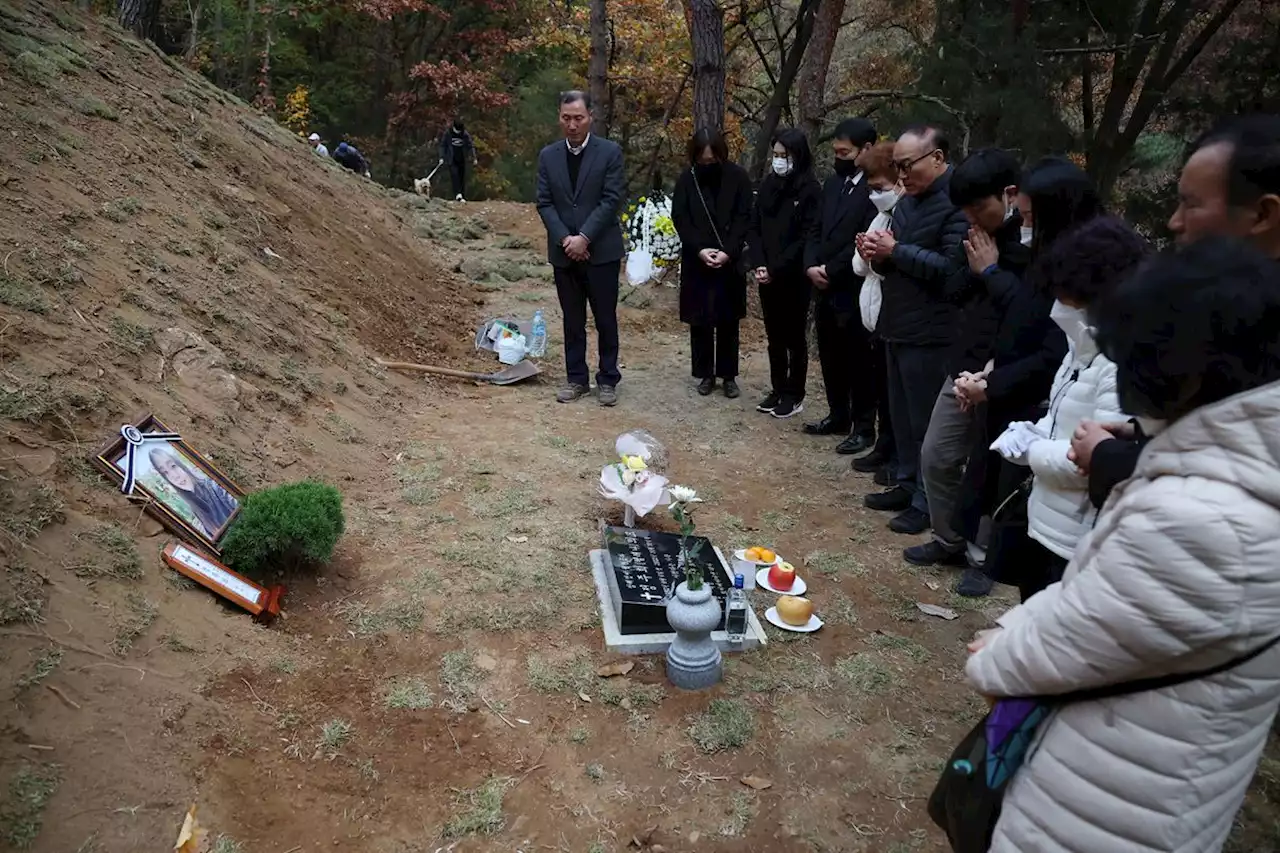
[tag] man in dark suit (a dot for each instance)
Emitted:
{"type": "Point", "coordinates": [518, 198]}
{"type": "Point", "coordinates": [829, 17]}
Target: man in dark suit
{"type": "Point", "coordinates": [580, 188]}
{"type": "Point", "coordinates": [844, 345]}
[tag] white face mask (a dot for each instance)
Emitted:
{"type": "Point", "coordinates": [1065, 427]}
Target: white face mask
{"type": "Point", "coordinates": [1028, 234]}
{"type": "Point", "coordinates": [781, 166]}
{"type": "Point", "coordinates": [884, 200]}
{"type": "Point", "coordinates": [1074, 322]}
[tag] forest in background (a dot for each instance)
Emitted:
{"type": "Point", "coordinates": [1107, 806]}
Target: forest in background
{"type": "Point", "coordinates": [1118, 85]}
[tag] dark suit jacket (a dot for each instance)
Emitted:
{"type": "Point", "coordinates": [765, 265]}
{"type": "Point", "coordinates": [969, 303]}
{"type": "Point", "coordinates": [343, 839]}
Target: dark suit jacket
{"type": "Point", "coordinates": [712, 296]}
{"type": "Point", "coordinates": [831, 239]}
{"type": "Point", "coordinates": [590, 208]}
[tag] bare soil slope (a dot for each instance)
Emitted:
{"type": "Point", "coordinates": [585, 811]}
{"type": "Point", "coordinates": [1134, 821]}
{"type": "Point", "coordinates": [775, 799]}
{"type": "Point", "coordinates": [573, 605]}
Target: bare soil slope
{"type": "Point", "coordinates": [437, 687]}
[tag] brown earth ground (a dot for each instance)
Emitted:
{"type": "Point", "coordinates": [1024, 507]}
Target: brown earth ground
{"type": "Point", "coordinates": [435, 688]}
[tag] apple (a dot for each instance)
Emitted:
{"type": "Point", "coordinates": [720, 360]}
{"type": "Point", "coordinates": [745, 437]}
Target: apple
{"type": "Point", "coordinates": [782, 576]}
{"type": "Point", "coordinates": [795, 611]}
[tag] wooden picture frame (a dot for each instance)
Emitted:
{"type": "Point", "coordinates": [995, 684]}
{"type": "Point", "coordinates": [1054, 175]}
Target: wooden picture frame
{"type": "Point", "coordinates": [182, 489]}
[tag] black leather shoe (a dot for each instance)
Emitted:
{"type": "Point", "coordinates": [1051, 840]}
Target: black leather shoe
{"type": "Point", "coordinates": [706, 386]}
{"type": "Point", "coordinates": [826, 426]}
{"type": "Point", "coordinates": [933, 553]}
{"type": "Point", "coordinates": [910, 522]}
{"type": "Point", "coordinates": [855, 444]}
{"type": "Point", "coordinates": [731, 389]}
{"type": "Point", "coordinates": [896, 499]}
{"type": "Point", "coordinates": [872, 462]}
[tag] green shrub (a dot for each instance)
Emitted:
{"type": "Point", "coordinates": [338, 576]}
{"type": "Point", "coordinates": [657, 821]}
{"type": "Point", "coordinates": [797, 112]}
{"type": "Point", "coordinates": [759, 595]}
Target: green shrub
{"type": "Point", "coordinates": [286, 527]}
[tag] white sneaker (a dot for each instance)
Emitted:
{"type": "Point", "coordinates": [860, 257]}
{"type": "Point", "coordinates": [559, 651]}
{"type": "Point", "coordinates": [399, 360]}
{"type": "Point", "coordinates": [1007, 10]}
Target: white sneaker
{"type": "Point", "coordinates": [459, 198]}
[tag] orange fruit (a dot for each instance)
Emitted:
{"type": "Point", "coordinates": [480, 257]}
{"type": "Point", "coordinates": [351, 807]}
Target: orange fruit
{"type": "Point", "coordinates": [752, 554]}
{"type": "Point", "coordinates": [767, 556]}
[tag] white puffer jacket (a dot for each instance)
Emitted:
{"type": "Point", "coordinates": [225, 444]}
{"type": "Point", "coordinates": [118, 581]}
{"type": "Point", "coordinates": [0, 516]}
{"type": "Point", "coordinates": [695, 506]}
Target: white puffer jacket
{"type": "Point", "coordinates": [1059, 512]}
{"type": "Point", "coordinates": [1181, 574]}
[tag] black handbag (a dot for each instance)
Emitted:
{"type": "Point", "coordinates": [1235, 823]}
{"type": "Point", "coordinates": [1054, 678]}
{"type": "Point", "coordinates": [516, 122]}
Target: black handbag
{"type": "Point", "coordinates": [967, 800]}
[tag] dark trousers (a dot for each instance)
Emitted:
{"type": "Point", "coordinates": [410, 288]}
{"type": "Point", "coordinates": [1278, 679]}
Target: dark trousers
{"type": "Point", "coordinates": [879, 378]}
{"type": "Point", "coordinates": [578, 286]}
{"type": "Point", "coordinates": [458, 176]}
{"type": "Point", "coordinates": [915, 375]}
{"type": "Point", "coordinates": [715, 350]}
{"type": "Point", "coordinates": [1041, 568]}
{"type": "Point", "coordinates": [844, 348]}
{"type": "Point", "coordinates": [785, 304]}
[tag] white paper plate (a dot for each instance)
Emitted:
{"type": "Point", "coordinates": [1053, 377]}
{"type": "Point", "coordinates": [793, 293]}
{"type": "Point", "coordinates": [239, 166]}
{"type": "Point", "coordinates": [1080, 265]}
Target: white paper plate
{"type": "Point", "coordinates": [809, 627]}
{"type": "Point", "coordinates": [741, 555]}
{"type": "Point", "coordinates": [797, 588]}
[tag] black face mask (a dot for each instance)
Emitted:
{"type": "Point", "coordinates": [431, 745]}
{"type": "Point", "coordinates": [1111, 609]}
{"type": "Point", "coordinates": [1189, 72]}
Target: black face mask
{"type": "Point", "coordinates": [846, 168]}
{"type": "Point", "coordinates": [457, 126]}
{"type": "Point", "coordinates": [707, 171]}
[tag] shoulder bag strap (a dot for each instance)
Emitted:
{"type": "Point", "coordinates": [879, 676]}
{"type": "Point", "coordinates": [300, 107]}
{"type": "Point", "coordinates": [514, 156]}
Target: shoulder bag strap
{"type": "Point", "coordinates": [1143, 685]}
{"type": "Point", "coordinates": [706, 210]}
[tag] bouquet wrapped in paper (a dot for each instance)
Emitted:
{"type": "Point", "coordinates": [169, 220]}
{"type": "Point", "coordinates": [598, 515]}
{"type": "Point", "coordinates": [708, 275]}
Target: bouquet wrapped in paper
{"type": "Point", "coordinates": [636, 479]}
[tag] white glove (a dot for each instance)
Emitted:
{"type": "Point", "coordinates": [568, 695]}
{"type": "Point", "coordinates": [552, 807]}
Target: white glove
{"type": "Point", "coordinates": [1015, 441]}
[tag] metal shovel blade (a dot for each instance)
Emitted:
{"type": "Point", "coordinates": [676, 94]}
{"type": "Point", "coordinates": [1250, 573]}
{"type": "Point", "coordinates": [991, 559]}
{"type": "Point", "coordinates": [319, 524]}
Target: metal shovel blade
{"type": "Point", "coordinates": [513, 373]}
{"type": "Point", "coordinates": [508, 375]}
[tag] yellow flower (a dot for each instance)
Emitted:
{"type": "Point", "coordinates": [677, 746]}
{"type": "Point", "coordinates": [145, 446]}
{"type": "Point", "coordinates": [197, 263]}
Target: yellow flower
{"type": "Point", "coordinates": [634, 463]}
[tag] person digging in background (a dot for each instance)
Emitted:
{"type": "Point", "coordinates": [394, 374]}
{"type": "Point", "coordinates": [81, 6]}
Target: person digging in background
{"type": "Point", "coordinates": [457, 149]}
{"type": "Point", "coordinates": [1177, 585]}
{"type": "Point", "coordinates": [317, 145]}
{"type": "Point", "coordinates": [1229, 186]}
{"type": "Point", "coordinates": [917, 257]}
{"type": "Point", "coordinates": [985, 187]}
{"type": "Point", "coordinates": [351, 158]}
{"type": "Point", "coordinates": [885, 191]}
{"type": "Point", "coordinates": [580, 187]}
{"type": "Point", "coordinates": [844, 345]}
{"type": "Point", "coordinates": [711, 209]}
{"type": "Point", "coordinates": [781, 219]}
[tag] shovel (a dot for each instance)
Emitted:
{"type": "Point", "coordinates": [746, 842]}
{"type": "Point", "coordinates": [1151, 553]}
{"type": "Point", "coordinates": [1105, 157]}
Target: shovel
{"type": "Point", "coordinates": [506, 376]}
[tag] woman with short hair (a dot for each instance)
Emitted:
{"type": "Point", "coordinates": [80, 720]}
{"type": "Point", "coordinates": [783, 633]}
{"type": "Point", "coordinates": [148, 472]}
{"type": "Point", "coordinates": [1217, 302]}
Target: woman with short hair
{"type": "Point", "coordinates": [711, 210]}
{"type": "Point", "coordinates": [1171, 604]}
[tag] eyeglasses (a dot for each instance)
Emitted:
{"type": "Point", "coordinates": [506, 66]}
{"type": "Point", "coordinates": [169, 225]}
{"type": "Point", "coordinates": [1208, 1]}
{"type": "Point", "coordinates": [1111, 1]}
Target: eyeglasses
{"type": "Point", "coordinates": [904, 166]}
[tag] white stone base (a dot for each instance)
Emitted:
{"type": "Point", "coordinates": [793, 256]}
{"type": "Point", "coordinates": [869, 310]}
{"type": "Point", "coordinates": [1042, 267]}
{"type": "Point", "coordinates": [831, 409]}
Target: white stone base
{"type": "Point", "coordinates": [651, 644]}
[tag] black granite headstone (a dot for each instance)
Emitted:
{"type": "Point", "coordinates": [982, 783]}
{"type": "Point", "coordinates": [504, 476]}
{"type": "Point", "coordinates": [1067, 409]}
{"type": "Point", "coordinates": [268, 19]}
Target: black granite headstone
{"type": "Point", "coordinates": [644, 566]}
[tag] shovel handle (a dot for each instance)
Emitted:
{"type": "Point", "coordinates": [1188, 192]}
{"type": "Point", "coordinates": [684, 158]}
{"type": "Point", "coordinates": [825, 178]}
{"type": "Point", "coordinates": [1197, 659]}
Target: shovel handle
{"type": "Point", "coordinates": [426, 368]}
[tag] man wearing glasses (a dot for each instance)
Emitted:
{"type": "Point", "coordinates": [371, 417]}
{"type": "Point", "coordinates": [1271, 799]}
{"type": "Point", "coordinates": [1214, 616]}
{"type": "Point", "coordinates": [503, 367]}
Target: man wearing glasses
{"type": "Point", "coordinates": [917, 257]}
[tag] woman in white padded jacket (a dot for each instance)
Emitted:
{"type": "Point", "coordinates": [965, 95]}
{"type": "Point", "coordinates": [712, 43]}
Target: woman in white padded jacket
{"type": "Point", "coordinates": [1180, 576]}
{"type": "Point", "coordinates": [1080, 267]}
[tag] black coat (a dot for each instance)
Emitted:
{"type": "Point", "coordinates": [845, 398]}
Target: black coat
{"type": "Point", "coordinates": [983, 299]}
{"type": "Point", "coordinates": [1028, 350]}
{"type": "Point", "coordinates": [712, 296]}
{"type": "Point", "coordinates": [831, 239]}
{"type": "Point", "coordinates": [929, 231]}
{"type": "Point", "coordinates": [783, 216]}
{"type": "Point", "coordinates": [588, 207]}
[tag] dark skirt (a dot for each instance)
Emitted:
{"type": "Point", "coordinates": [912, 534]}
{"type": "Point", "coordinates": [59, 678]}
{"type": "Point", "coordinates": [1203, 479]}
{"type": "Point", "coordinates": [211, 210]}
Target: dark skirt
{"type": "Point", "coordinates": [711, 297]}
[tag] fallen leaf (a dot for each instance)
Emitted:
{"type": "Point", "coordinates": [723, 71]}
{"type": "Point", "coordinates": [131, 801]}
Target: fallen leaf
{"type": "Point", "coordinates": [933, 585]}
{"type": "Point", "coordinates": [934, 610]}
{"type": "Point", "coordinates": [519, 540]}
{"type": "Point", "coordinates": [694, 836]}
{"type": "Point", "coordinates": [759, 783]}
{"type": "Point", "coordinates": [619, 668]}
{"type": "Point", "coordinates": [486, 662]}
{"type": "Point", "coordinates": [582, 694]}
{"type": "Point", "coordinates": [523, 722]}
{"type": "Point", "coordinates": [190, 834]}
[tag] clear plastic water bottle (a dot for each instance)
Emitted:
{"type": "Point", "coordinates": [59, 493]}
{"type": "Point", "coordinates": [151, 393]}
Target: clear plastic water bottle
{"type": "Point", "coordinates": [735, 611]}
{"type": "Point", "coordinates": [538, 339]}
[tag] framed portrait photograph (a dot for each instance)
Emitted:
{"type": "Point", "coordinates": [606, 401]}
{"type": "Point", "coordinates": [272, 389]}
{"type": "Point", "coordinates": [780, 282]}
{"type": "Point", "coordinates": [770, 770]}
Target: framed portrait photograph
{"type": "Point", "coordinates": [182, 489]}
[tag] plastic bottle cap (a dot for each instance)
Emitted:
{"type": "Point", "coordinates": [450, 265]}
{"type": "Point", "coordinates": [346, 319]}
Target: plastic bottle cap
{"type": "Point", "coordinates": [737, 581]}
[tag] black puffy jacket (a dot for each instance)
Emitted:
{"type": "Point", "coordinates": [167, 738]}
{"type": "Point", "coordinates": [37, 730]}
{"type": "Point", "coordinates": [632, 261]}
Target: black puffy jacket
{"type": "Point", "coordinates": [929, 231]}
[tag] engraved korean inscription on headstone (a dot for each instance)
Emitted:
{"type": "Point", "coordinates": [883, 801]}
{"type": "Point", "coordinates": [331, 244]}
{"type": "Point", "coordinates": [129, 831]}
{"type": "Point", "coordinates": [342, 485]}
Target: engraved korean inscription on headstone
{"type": "Point", "coordinates": [645, 568]}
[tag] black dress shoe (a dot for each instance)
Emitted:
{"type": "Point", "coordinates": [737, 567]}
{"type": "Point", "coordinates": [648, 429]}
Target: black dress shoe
{"type": "Point", "coordinates": [826, 426]}
{"type": "Point", "coordinates": [854, 444]}
{"type": "Point", "coordinates": [910, 522]}
{"type": "Point", "coordinates": [872, 462]}
{"type": "Point", "coordinates": [706, 386]}
{"type": "Point", "coordinates": [934, 553]}
{"type": "Point", "coordinates": [731, 389]}
{"type": "Point", "coordinates": [896, 499]}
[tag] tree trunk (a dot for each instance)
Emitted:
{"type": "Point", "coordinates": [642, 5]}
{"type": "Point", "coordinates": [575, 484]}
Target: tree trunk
{"type": "Point", "coordinates": [193, 44]}
{"type": "Point", "coordinates": [817, 60]}
{"type": "Point", "coordinates": [245, 83]}
{"type": "Point", "coordinates": [598, 65]}
{"type": "Point", "coordinates": [219, 57]}
{"type": "Point", "coordinates": [706, 30]}
{"type": "Point", "coordinates": [138, 16]}
{"type": "Point", "coordinates": [782, 88]}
